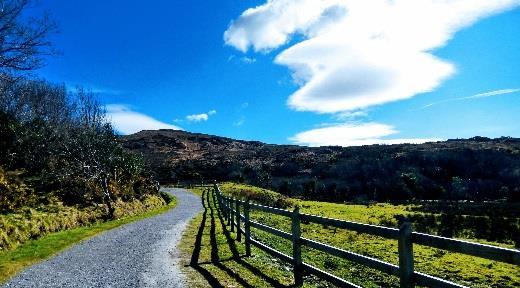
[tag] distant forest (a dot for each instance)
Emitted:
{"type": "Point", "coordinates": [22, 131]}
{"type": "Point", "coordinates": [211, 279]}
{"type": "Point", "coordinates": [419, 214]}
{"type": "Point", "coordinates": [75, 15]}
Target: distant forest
{"type": "Point", "coordinates": [476, 169]}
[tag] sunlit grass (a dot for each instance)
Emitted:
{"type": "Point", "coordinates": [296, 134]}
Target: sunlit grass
{"type": "Point", "coordinates": [467, 270]}
{"type": "Point", "coordinates": [33, 251]}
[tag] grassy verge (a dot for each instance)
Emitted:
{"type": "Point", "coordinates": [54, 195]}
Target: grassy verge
{"type": "Point", "coordinates": [212, 258]}
{"type": "Point", "coordinates": [34, 251]}
{"type": "Point", "coordinates": [220, 258]}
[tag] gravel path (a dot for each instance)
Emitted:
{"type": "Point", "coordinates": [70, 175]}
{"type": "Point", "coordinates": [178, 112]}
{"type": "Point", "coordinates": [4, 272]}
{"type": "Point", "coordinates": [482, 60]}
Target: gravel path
{"type": "Point", "coordinates": [139, 254]}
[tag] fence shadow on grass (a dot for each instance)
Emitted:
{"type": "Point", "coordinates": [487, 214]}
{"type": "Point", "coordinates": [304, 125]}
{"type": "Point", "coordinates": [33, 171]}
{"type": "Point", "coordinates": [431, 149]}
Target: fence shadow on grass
{"type": "Point", "coordinates": [219, 264]}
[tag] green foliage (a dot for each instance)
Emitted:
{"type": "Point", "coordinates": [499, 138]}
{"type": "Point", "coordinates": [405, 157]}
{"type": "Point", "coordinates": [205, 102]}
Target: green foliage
{"type": "Point", "coordinates": [13, 192]}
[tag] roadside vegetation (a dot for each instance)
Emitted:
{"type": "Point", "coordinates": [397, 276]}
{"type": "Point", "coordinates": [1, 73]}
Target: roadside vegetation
{"type": "Point", "coordinates": [221, 258]}
{"type": "Point", "coordinates": [33, 251]}
{"type": "Point", "coordinates": [28, 223]}
{"type": "Point", "coordinates": [61, 163]}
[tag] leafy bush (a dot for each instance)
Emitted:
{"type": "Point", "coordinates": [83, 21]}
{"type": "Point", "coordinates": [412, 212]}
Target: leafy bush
{"type": "Point", "coordinates": [14, 193]}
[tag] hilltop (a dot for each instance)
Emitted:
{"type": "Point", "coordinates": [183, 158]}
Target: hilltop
{"type": "Point", "coordinates": [478, 168]}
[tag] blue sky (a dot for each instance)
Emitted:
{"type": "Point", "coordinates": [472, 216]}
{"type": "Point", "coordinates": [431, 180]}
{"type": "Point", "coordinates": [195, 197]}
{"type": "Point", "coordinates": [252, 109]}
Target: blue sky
{"type": "Point", "coordinates": [308, 72]}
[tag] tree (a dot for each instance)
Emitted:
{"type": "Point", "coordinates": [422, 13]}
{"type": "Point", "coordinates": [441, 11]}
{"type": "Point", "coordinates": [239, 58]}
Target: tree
{"type": "Point", "coordinates": [23, 40]}
{"type": "Point", "coordinates": [90, 153]}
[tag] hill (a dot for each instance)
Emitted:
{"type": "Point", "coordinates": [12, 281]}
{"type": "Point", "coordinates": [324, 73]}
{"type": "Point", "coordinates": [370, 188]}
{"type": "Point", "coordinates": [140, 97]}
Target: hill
{"type": "Point", "coordinates": [478, 168]}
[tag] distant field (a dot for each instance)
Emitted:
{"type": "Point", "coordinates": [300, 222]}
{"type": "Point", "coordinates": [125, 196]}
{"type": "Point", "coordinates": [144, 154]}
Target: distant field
{"type": "Point", "coordinates": [463, 269]}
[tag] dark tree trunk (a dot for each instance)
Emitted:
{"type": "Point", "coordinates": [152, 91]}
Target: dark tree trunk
{"type": "Point", "coordinates": [107, 198]}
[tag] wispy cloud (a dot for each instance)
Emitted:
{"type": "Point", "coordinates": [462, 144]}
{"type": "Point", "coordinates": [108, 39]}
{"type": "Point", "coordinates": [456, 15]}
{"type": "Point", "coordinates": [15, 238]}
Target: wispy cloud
{"type": "Point", "coordinates": [93, 89]}
{"type": "Point", "coordinates": [350, 115]}
{"type": "Point", "coordinates": [240, 121]}
{"type": "Point", "coordinates": [357, 54]}
{"type": "Point", "coordinates": [201, 117]}
{"type": "Point", "coordinates": [241, 60]}
{"type": "Point", "coordinates": [248, 60]}
{"type": "Point", "coordinates": [197, 117]}
{"type": "Point", "coordinates": [476, 96]}
{"type": "Point", "coordinates": [350, 134]}
{"type": "Point", "coordinates": [126, 121]}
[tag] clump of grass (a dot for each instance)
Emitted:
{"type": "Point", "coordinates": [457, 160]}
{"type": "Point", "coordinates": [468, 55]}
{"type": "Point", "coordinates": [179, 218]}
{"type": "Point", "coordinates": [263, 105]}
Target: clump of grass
{"type": "Point", "coordinates": [32, 223]}
{"type": "Point", "coordinates": [46, 246]}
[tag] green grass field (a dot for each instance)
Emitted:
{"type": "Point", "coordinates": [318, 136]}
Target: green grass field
{"type": "Point", "coordinates": [221, 261]}
{"type": "Point", "coordinates": [33, 251]}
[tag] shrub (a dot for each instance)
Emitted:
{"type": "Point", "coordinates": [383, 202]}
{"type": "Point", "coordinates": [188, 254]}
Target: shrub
{"type": "Point", "coordinates": [14, 193]}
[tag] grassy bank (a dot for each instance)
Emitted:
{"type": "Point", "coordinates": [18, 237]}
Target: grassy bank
{"type": "Point", "coordinates": [35, 250]}
{"type": "Point", "coordinates": [212, 258]}
{"type": "Point", "coordinates": [220, 257]}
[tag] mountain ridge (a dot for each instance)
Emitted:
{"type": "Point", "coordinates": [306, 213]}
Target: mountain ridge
{"type": "Point", "coordinates": [350, 172]}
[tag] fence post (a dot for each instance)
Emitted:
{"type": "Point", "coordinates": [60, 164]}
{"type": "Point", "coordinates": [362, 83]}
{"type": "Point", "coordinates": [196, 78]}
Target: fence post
{"type": "Point", "coordinates": [215, 194]}
{"type": "Point", "coordinates": [237, 208]}
{"type": "Point", "coordinates": [405, 247]}
{"type": "Point", "coordinates": [228, 208]}
{"type": "Point", "coordinates": [220, 203]}
{"type": "Point", "coordinates": [247, 228]}
{"type": "Point", "coordinates": [297, 249]}
{"type": "Point", "coordinates": [231, 214]}
{"type": "Point", "coordinates": [214, 199]}
{"type": "Point", "coordinates": [219, 198]}
{"type": "Point", "coordinates": [226, 205]}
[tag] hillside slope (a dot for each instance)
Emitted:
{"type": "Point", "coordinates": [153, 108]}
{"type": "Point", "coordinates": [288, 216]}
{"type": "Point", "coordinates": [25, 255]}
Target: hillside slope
{"type": "Point", "coordinates": [478, 168]}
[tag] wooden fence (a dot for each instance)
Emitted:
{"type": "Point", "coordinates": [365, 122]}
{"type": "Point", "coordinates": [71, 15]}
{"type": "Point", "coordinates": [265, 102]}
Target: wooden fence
{"type": "Point", "coordinates": [232, 210]}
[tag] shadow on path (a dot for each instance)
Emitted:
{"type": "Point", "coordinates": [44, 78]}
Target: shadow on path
{"type": "Point", "coordinates": [210, 207]}
{"type": "Point", "coordinates": [198, 245]}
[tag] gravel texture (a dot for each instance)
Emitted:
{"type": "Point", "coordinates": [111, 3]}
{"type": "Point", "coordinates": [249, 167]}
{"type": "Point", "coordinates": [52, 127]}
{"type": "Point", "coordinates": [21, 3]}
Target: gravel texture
{"type": "Point", "coordinates": [139, 254]}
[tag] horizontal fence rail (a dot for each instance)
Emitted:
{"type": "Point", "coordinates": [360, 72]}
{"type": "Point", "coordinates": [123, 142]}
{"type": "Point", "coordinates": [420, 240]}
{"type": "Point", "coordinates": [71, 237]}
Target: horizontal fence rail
{"type": "Point", "coordinates": [232, 210]}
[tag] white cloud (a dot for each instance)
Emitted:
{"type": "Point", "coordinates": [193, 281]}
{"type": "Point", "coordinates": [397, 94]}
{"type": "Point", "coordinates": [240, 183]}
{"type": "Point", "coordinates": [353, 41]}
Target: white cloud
{"type": "Point", "coordinates": [356, 54]}
{"type": "Point", "coordinates": [476, 96]}
{"type": "Point", "coordinates": [270, 25]}
{"type": "Point", "coordinates": [248, 60]}
{"type": "Point", "coordinates": [126, 121]}
{"type": "Point", "coordinates": [353, 135]}
{"type": "Point", "coordinates": [200, 117]}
